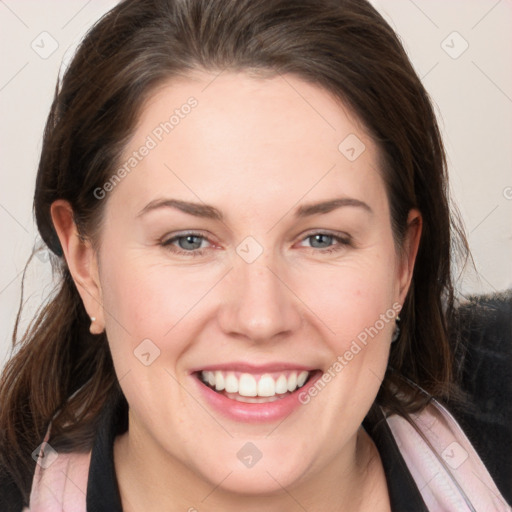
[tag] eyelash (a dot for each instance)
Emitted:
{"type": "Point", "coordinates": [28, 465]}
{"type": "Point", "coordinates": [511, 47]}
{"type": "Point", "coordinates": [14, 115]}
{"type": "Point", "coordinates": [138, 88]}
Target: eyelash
{"type": "Point", "coordinates": [342, 241]}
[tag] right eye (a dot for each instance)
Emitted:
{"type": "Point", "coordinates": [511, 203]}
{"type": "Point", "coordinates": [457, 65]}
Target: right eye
{"type": "Point", "coordinates": [188, 244]}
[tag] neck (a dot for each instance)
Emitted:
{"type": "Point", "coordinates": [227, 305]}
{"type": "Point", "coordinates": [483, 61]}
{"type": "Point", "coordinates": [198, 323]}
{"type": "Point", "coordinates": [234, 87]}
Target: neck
{"type": "Point", "coordinates": [151, 480]}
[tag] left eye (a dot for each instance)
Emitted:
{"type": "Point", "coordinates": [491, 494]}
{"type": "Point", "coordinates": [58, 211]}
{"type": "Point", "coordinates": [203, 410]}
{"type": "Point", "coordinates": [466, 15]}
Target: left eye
{"type": "Point", "coordinates": [323, 239]}
{"type": "Point", "coordinates": [324, 242]}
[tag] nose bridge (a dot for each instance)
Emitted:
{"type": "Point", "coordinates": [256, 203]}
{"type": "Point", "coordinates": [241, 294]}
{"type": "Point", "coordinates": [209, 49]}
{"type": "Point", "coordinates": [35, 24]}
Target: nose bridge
{"type": "Point", "coordinates": [261, 306]}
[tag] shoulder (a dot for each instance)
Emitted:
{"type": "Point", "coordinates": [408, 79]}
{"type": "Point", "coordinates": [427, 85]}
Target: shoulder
{"type": "Point", "coordinates": [443, 463]}
{"type": "Point", "coordinates": [60, 481]}
{"type": "Point", "coordinates": [63, 480]}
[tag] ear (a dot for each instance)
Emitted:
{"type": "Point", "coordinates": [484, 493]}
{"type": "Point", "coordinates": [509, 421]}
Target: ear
{"type": "Point", "coordinates": [409, 252]}
{"type": "Point", "coordinates": [82, 262]}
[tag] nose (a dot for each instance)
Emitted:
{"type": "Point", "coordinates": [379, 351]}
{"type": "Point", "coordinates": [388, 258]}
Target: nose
{"type": "Point", "coordinates": [259, 306]}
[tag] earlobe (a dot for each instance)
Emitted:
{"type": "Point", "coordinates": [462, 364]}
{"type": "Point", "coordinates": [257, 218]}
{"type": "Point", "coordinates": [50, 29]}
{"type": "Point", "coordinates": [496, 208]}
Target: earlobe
{"type": "Point", "coordinates": [82, 262]}
{"type": "Point", "coordinates": [410, 247]}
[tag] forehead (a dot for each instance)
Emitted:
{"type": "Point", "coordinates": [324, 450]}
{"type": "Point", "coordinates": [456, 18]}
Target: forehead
{"type": "Point", "coordinates": [239, 139]}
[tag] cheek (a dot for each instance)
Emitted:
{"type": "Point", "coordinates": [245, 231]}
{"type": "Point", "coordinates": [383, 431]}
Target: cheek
{"type": "Point", "coordinates": [132, 299]}
{"type": "Point", "coordinates": [140, 296]}
{"type": "Point", "coordinates": [144, 300]}
{"type": "Point", "coordinates": [354, 299]}
{"type": "Point", "coordinates": [142, 304]}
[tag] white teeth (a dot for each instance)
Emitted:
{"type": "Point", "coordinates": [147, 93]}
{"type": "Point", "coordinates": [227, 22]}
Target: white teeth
{"type": "Point", "coordinates": [219, 381]}
{"type": "Point", "coordinates": [231, 383]}
{"type": "Point", "coordinates": [301, 379]}
{"type": "Point", "coordinates": [292, 381]}
{"type": "Point", "coordinates": [281, 385]}
{"type": "Point", "coordinates": [247, 386]}
{"type": "Point", "coordinates": [266, 385]}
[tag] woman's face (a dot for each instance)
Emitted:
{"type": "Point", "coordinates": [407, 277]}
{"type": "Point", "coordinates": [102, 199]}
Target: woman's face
{"type": "Point", "coordinates": [286, 270]}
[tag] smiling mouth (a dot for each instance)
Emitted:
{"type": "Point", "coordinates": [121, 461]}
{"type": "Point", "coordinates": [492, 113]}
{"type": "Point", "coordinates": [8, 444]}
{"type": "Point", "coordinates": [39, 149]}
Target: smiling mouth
{"type": "Point", "coordinates": [251, 388]}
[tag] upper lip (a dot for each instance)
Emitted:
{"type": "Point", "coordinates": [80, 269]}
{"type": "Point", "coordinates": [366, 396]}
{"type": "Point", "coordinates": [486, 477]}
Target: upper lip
{"type": "Point", "coordinates": [253, 368]}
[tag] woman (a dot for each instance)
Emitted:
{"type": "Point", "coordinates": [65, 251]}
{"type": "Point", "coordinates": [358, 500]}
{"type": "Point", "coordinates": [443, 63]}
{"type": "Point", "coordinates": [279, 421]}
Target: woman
{"type": "Point", "coordinates": [247, 202]}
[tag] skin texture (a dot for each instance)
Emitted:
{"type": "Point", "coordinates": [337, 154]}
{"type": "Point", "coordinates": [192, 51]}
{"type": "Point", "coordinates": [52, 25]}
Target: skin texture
{"type": "Point", "coordinates": [256, 149]}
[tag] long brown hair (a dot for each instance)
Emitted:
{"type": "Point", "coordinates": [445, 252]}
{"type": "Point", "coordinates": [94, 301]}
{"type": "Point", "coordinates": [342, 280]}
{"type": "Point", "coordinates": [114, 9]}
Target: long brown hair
{"type": "Point", "coordinates": [61, 373]}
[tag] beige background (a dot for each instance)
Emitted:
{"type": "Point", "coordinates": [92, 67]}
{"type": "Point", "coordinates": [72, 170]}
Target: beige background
{"type": "Point", "coordinates": [461, 48]}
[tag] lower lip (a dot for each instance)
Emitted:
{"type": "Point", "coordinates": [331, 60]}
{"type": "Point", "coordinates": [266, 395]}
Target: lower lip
{"type": "Point", "coordinates": [255, 412]}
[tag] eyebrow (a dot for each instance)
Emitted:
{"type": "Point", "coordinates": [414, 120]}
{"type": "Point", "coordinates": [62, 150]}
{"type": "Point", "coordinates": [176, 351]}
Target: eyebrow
{"type": "Point", "coordinates": [328, 206]}
{"type": "Point", "coordinates": [210, 212]}
{"type": "Point", "coordinates": [196, 209]}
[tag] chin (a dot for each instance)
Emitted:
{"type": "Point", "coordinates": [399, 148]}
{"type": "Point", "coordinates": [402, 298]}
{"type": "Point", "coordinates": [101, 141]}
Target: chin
{"type": "Point", "coordinates": [267, 475]}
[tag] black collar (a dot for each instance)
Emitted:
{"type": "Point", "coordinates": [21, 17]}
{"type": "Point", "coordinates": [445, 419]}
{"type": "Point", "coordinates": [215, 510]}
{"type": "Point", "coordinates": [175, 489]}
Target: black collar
{"type": "Point", "coordinates": [404, 495]}
{"type": "Point", "coordinates": [103, 492]}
